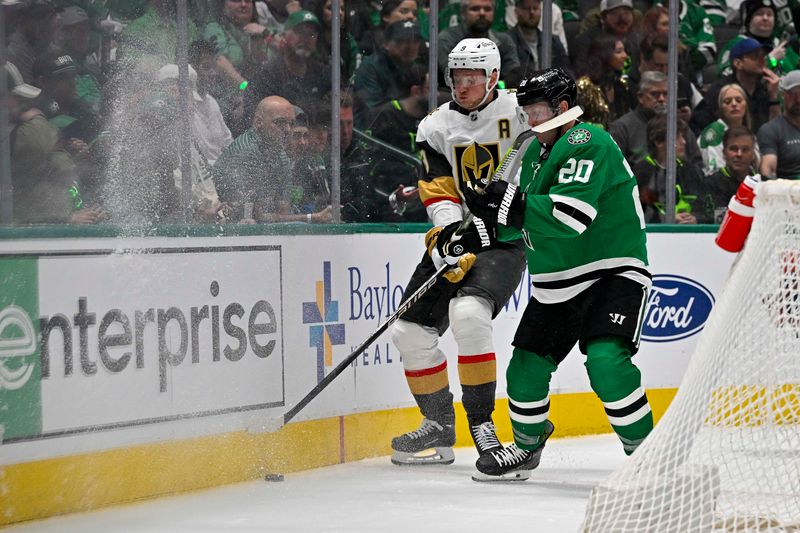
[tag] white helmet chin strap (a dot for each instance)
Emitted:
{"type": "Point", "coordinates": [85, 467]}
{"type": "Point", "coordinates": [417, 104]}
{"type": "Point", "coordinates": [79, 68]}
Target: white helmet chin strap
{"type": "Point", "coordinates": [488, 89]}
{"type": "Point", "coordinates": [573, 113]}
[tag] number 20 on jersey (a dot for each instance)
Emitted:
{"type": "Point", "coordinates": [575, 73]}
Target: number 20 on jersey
{"type": "Point", "coordinates": [576, 170]}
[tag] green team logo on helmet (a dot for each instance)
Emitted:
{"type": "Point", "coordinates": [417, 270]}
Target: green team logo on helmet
{"type": "Point", "coordinates": [579, 136]}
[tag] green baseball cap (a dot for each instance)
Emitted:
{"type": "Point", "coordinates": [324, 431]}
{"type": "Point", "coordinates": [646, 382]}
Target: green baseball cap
{"type": "Point", "coordinates": [301, 17]}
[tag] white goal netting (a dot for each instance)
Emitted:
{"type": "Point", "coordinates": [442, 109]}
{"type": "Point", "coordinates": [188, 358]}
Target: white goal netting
{"type": "Point", "coordinates": [726, 455]}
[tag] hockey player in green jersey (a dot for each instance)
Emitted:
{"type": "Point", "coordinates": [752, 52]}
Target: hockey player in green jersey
{"type": "Point", "coordinates": [577, 209]}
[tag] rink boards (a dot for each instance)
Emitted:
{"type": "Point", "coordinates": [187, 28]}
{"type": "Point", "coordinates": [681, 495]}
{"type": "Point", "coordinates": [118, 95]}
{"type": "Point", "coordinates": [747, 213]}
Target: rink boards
{"type": "Point", "coordinates": [139, 366]}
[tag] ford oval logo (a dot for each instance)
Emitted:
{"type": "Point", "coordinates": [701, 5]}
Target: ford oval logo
{"type": "Point", "coordinates": [677, 308]}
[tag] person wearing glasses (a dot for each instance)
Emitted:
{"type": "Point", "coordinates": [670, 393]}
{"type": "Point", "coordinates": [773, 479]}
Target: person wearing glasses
{"type": "Point", "coordinates": [253, 174]}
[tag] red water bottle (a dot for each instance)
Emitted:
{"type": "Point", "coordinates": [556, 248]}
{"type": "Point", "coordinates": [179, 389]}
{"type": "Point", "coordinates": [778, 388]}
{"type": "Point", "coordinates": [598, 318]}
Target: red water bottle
{"type": "Point", "coordinates": [739, 217]}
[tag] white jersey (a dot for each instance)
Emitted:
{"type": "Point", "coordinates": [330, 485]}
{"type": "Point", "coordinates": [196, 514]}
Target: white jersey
{"type": "Point", "coordinates": [459, 146]}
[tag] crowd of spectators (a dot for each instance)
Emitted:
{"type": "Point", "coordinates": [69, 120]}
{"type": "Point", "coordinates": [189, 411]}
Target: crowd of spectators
{"type": "Point", "coordinates": [96, 123]}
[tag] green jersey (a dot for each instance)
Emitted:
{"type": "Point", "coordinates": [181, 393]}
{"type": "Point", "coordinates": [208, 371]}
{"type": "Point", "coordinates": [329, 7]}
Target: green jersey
{"type": "Point", "coordinates": [583, 218]}
{"type": "Point", "coordinates": [696, 32]}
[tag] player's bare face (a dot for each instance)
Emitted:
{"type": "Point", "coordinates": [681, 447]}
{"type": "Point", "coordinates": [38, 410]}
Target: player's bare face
{"type": "Point", "coordinates": [537, 114]}
{"type": "Point", "coordinates": [469, 87]}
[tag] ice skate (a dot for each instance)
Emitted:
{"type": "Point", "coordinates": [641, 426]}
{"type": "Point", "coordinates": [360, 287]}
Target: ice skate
{"type": "Point", "coordinates": [485, 437]}
{"type": "Point", "coordinates": [431, 444]}
{"type": "Point", "coordinates": [510, 463]}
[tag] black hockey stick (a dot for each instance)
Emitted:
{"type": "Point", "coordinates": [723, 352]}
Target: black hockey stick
{"type": "Point", "coordinates": [274, 424]}
{"type": "Point", "coordinates": [509, 166]}
{"type": "Point", "coordinates": [291, 413]}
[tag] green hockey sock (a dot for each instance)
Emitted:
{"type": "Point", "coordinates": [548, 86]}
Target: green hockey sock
{"type": "Point", "coordinates": [528, 377]}
{"type": "Point", "coordinates": [618, 384]}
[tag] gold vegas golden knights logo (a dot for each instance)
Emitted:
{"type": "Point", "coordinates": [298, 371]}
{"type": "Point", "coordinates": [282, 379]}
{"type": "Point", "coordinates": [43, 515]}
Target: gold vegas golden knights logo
{"type": "Point", "coordinates": [477, 161]}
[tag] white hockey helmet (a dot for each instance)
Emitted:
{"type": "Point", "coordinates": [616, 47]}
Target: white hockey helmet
{"type": "Point", "coordinates": [479, 54]}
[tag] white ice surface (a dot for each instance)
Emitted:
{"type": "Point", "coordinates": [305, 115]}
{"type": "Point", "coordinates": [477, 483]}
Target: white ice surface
{"type": "Point", "coordinates": [374, 496]}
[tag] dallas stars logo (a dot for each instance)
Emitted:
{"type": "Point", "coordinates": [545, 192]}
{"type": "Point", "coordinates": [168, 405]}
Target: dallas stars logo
{"type": "Point", "coordinates": [579, 136]}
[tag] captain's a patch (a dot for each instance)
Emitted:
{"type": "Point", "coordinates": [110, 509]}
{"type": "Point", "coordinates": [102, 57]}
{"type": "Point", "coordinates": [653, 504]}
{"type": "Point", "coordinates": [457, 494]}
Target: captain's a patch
{"type": "Point", "coordinates": [579, 136]}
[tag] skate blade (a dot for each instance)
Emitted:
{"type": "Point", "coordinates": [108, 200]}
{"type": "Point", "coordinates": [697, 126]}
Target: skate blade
{"type": "Point", "coordinates": [509, 477]}
{"type": "Point", "coordinates": [431, 456]}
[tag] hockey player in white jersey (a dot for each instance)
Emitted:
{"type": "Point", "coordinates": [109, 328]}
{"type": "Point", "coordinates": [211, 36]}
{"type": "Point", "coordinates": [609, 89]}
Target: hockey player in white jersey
{"type": "Point", "coordinates": [463, 140]}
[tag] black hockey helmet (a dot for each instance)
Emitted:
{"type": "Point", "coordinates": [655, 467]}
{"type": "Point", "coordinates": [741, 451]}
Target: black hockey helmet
{"type": "Point", "coordinates": [550, 85]}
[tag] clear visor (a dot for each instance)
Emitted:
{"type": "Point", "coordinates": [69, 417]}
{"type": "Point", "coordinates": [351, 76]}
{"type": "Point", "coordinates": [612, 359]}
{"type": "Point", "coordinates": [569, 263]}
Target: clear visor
{"type": "Point", "coordinates": [539, 112]}
{"type": "Point", "coordinates": [460, 80]}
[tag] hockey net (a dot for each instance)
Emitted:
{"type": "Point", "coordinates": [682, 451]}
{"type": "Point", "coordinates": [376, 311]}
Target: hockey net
{"type": "Point", "coordinates": [726, 455]}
